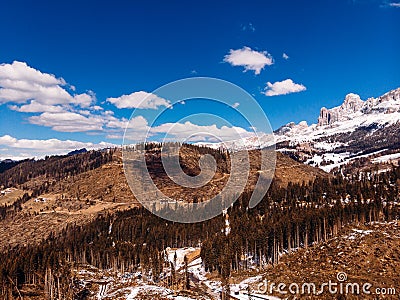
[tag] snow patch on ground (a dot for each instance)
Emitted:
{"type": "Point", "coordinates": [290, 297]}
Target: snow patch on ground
{"type": "Point", "coordinates": [358, 233]}
{"type": "Point", "coordinates": [180, 255]}
{"type": "Point", "coordinates": [145, 289]}
{"type": "Point", "coordinates": [337, 159]}
{"type": "Point", "coordinates": [386, 158]}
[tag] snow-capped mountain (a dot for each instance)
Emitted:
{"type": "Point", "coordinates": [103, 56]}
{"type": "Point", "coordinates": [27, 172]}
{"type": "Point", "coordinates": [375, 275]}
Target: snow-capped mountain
{"type": "Point", "coordinates": [354, 130]}
{"type": "Point", "coordinates": [352, 114]}
{"type": "Point", "coordinates": [347, 133]}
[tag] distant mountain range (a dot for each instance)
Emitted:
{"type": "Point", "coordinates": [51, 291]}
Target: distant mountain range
{"type": "Point", "coordinates": [357, 130]}
{"type": "Point", "coordinates": [78, 151]}
{"type": "Point", "coordinates": [357, 134]}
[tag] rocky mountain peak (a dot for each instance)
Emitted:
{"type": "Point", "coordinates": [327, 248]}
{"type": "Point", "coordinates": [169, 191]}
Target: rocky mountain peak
{"type": "Point", "coordinates": [393, 95]}
{"type": "Point", "coordinates": [351, 104]}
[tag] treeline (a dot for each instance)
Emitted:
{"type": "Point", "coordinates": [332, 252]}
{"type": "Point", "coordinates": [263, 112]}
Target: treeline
{"type": "Point", "coordinates": [53, 168]}
{"type": "Point", "coordinates": [286, 218]}
{"type": "Point", "coordinates": [57, 167]}
{"type": "Point", "coordinates": [128, 241]}
{"type": "Point", "coordinates": [8, 164]}
{"type": "Point", "coordinates": [298, 217]}
{"type": "Point", "coordinates": [189, 156]}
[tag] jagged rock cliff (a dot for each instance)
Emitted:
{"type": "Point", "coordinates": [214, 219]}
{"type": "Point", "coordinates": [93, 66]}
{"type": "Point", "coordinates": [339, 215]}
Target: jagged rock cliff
{"type": "Point", "coordinates": [387, 103]}
{"type": "Point", "coordinates": [351, 104]}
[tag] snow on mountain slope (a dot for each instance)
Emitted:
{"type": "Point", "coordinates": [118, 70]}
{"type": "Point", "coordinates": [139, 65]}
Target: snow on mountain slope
{"type": "Point", "coordinates": [354, 129]}
{"type": "Point", "coordinates": [352, 114]}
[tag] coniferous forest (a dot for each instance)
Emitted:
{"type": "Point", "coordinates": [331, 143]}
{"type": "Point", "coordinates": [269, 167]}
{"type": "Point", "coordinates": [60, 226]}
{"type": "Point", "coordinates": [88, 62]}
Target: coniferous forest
{"type": "Point", "coordinates": [287, 218]}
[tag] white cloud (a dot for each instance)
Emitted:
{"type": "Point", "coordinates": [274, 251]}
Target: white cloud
{"type": "Point", "coordinates": [141, 100]}
{"type": "Point", "coordinates": [236, 104]}
{"type": "Point", "coordinates": [29, 90]}
{"type": "Point", "coordinates": [20, 71]}
{"type": "Point", "coordinates": [250, 59]}
{"type": "Point", "coordinates": [68, 121]}
{"type": "Point", "coordinates": [394, 4]}
{"type": "Point", "coordinates": [85, 99]}
{"type": "Point", "coordinates": [137, 130]}
{"type": "Point", "coordinates": [20, 83]}
{"type": "Point", "coordinates": [27, 148]}
{"type": "Point", "coordinates": [114, 136]}
{"type": "Point", "coordinates": [138, 123]}
{"type": "Point", "coordinates": [192, 132]}
{"type": "Point", "coordinates": [35, 106]}
{"type": "Point", "coordinates": [285, 56]}
{"type": "Point", "coordinates": [283, 88]}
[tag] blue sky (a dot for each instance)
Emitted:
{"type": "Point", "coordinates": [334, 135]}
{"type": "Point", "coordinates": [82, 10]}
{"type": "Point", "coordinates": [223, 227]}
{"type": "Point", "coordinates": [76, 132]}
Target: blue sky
{"type": "Point", "coordinates": [63, 63]}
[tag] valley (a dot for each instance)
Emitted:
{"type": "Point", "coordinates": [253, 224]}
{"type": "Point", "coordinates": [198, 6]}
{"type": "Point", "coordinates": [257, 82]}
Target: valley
{"type": "Point", "coordinates": [73, 229]}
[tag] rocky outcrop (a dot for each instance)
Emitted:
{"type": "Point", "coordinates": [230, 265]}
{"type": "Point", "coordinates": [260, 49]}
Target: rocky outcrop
{"type": "Point", "coordinates": [325, 117]}
{"type": "Point", "coordinates": [352, 103]}
{"type": "Point", "coordinates": [387, 104]}
{"type": "Point", "coordinates": [393, 95]}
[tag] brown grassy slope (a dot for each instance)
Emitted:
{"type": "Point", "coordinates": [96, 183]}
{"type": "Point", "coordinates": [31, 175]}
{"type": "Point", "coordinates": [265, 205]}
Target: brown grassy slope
{"type": "Point", "coordinates": [367, 254]}
{"type": "Point", "coordinates": [108, 183]}
{"type": "Point", "coordinates": [80, 198]}
{"type": "Point", "coordinates": [288, 170]}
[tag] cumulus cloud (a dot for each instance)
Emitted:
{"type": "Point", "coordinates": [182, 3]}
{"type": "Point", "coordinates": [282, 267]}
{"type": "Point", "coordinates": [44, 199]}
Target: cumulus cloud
{"type": "Point", "coordinates": [138, 123]}
{"type": "Point", "coordinates": [141, 100]}
{"type": "Point", "coordinates": [20, 83]}
{"type": "Point", "coordinates": [53, 105]}
{"type": "Point", "coordinates": [34, 107]}
{"type": "Point", "coordinates": [28, 90]}
{"type": "Point", "coordinates": [283, 88]}
{"type": "Point", "coordinates": [395, 4]}
{"type": "Point", "coordinates": [138, 130]}
{"type": "Point", "coordinates": [28, 148]}
{"type": "Point", "coordinates": [68, 121]}
{"type": "Point", "coordinates": [86, 121]}
{"type": "Point", "coordinates": [250, 59]}
{"type": "Point", "coordinates": [192, 132]}
{"type": "Point", "coordinates": [21, 72]}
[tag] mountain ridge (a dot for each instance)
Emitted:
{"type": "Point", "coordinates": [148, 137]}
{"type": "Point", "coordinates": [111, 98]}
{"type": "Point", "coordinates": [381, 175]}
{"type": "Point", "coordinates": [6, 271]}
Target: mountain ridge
{"type": "Point", "coordinates": [340, 135]}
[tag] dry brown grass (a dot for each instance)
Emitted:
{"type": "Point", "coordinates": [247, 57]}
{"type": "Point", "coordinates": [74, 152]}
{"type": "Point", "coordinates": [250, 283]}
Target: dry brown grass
{"type": "Point", "coordinates": [366, 258]}
{"type": "Point", "coordinates": [81, 198]}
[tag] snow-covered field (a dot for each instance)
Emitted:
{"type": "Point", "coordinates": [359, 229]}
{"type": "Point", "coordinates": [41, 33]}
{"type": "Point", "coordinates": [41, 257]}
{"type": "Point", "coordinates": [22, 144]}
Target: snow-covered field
{"type": "Point", "coordinates": [337, 159]}
{"type": "Point", "coordinates": [386, 158]}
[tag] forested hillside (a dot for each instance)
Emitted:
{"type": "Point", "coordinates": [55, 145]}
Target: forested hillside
{"type": "Point", "coordinates": [135, 240]}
